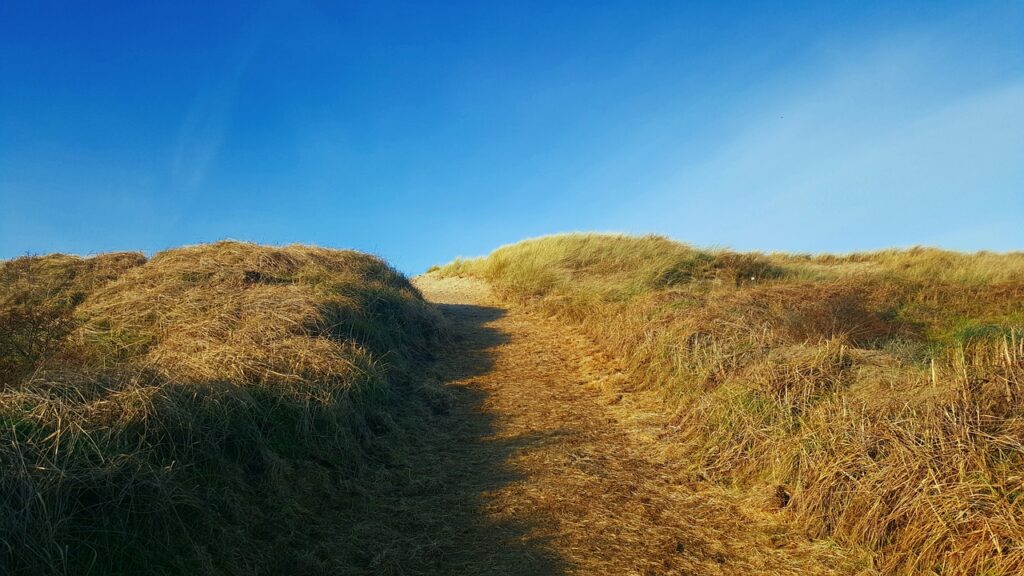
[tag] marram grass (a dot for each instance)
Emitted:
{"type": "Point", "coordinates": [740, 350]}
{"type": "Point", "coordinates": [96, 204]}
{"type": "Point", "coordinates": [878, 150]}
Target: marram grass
{"type": "Point", "coordinates": [878, 398]}
{"type": "Point", "coordinates": [200, 412]}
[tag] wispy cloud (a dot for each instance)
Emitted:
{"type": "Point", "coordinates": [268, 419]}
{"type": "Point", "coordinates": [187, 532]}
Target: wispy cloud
{"type": "Point", "coordinates": [885, 140]}
{"type": "Point", "coordinates": [203, 131]}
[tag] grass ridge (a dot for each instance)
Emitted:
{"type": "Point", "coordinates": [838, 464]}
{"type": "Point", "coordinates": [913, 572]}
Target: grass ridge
{"type": "Point", "coordinates": [192, 413]}
{"type": "Point", "coordinates": [874, 397]}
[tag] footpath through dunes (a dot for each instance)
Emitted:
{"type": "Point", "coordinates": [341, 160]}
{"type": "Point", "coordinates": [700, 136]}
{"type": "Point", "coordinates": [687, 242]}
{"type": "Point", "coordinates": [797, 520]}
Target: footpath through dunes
{"type": "Point", "coordinates": [592, 480]}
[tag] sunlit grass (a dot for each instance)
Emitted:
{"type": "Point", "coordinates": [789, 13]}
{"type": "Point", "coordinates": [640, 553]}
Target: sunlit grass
{"type": "Point", "coordinates": [190, 413]}
{"type": "Point", "coordinates": [877, 396]}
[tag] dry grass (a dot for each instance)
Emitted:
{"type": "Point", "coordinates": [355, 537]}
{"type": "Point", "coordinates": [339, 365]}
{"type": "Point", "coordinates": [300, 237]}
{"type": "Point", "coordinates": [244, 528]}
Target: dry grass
{"type": "Point", "coordinates": [875, 397]}
{"type": "Point", "coordinates": [190, 413]}
{"type": "Point", "coordinates": [596, 476]}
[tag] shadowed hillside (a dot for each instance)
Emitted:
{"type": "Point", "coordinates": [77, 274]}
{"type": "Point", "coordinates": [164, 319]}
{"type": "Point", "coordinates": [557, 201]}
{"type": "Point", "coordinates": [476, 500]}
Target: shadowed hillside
{"type": "Point", "coordinates": [196, 412]}
{"type": "Point", "coordinates": [875, 398]}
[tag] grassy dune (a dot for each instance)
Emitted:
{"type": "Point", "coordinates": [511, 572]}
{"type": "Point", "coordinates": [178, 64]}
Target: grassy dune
{"type": "Point", "coordinates": [198, 412]}
{"type": "Point", "coordinates": [878, 398]}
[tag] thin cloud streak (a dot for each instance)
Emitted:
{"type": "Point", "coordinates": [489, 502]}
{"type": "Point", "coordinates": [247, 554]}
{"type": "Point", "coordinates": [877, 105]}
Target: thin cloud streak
{"type": "Point", "coordinates": [884, 141]}
{"type": "Point", "coordinates": [202, 133]}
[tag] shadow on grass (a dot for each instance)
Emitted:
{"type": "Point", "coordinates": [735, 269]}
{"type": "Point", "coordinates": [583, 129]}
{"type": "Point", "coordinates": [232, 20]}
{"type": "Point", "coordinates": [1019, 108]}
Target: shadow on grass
{"type": "Point", "coordinates": [426, 514]}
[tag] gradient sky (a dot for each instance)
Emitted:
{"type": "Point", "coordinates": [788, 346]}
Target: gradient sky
{"type": "Point", "coordinates": [421, 131]}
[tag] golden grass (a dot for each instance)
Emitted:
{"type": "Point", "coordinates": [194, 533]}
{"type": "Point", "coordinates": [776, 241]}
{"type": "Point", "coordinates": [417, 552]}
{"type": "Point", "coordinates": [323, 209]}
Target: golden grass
{"type": "Point", "coordinates": [875, 397]}
{"type": "Point", "coordinates": [596, 473]}
{"type": "Point", "coordinates": [185, 413]}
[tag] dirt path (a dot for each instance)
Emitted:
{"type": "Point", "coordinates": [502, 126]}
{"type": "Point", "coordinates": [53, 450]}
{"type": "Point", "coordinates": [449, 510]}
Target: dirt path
{"type": "Point", "coordinates": [566, 475]}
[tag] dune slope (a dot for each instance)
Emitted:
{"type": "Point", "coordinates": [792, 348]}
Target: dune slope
{"type": "Point", "coordinates": [874, 399]}
{"type": "Point", "coordinates": [190, 413]}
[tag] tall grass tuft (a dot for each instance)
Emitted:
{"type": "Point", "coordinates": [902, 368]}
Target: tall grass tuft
{"type": "Point", "coordinates": [189, 413]}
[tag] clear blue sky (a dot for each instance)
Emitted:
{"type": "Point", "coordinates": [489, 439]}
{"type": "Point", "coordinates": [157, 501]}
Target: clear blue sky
{"type": "Point", "coordinates": [421, 131]}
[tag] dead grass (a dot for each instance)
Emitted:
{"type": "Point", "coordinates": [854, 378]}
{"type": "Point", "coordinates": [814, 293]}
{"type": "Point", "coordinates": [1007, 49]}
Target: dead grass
{"type": "Point", "coordinates": [597, 478]}
{"type": "Point", "coordinates": [187, 414]}
{"type": "Point", "coordinates": [875, 397]}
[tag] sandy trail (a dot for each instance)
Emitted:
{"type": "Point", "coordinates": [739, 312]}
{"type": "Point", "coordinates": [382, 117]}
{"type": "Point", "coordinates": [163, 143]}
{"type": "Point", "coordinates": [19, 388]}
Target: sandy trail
{"type": "Point", "coordinates": [590, 480]}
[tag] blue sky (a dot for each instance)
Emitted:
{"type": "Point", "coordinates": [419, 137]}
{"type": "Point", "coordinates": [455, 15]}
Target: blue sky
{"type": "Point", "coordinates": [422, 131]}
